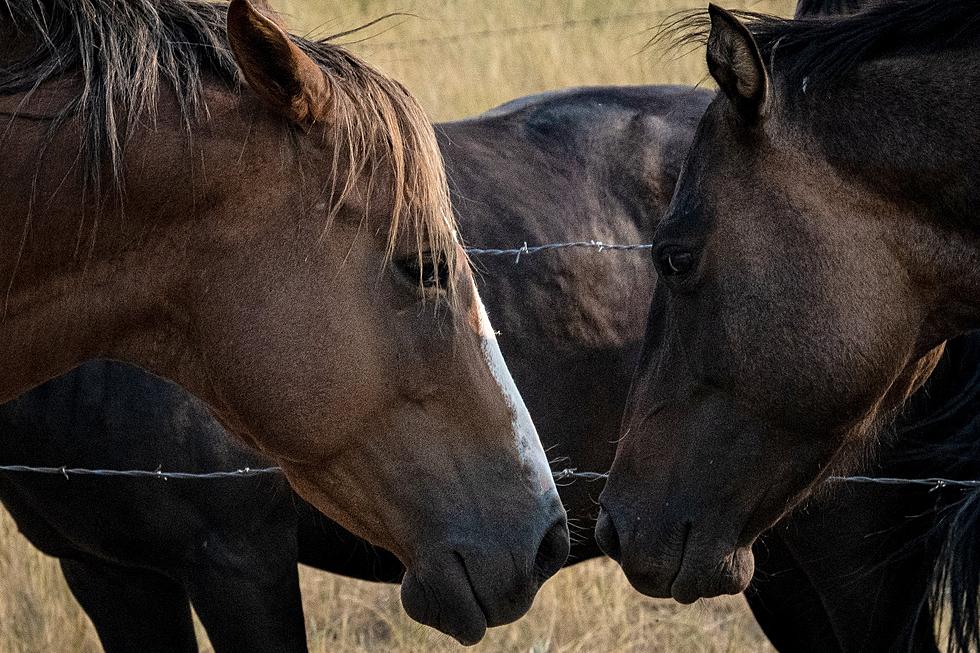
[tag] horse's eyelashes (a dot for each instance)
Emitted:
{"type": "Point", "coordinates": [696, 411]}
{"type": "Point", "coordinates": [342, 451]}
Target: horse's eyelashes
{"type": "Point", "coordinates": [431, 274]}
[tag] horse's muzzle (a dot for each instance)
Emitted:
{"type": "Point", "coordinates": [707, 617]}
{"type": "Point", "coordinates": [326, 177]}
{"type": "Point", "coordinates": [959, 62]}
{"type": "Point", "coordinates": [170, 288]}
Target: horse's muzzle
{"type": "Point", "coordinates": [479, 584]}
{"type": "Point", "coordinates": [676, 560]}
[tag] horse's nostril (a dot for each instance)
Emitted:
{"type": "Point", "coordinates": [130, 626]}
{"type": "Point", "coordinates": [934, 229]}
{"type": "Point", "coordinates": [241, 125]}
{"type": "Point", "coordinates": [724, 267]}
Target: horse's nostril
{"type": "Point", "coordinates": [607, 537]}
{"type": "Point", "coordinates": [553, 550]}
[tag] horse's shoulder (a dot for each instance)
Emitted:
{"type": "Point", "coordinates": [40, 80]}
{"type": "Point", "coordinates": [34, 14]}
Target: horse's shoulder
{"type": "Point", "coordinates": [580, 134]}
{"type": "Point", "coordinates": [574, 116]}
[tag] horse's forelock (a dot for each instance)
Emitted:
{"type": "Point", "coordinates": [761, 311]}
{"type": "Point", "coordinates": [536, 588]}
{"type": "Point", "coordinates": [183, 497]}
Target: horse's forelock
{"type": "Point", "coordinates": [126, 51]}
{"type": "Point", "coordinates": [378, 128]}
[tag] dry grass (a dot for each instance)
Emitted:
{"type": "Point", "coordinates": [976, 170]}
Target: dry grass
{"type": "Point", "coordinates": [590, 607]}
{"type": "Point", "coordinates": [509, 48]}
{"type": "Point", "coordinates": [587, 608]}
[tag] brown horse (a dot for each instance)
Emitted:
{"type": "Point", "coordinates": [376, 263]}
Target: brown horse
{"type": "Point", "coordinates": [285, 249]}
{"type": "Point", "coordinates": [821, 245]}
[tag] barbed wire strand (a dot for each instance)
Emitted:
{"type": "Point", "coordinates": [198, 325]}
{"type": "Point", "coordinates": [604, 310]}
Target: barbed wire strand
{"type": "Point", "coordinates": [884, 480]}
{"type": "Point", "coordinates": [511, 30]}
{"type": "Point", "coordinates": [567, 474]}
{"type": "Point", "coordinates": [525, 249]}
{"type": "Point", "coordinates": [68, 472]}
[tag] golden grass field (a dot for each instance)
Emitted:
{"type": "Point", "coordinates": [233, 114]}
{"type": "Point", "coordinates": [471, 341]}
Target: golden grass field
{"type": "Point", "coordinates": [459, 57]}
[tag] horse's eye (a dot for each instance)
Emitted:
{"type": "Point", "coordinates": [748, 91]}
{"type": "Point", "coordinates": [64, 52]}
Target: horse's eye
{"type": "Point", "coordinates": [674, 263]}
{"type": "Point", "coordinates": [425, 271]}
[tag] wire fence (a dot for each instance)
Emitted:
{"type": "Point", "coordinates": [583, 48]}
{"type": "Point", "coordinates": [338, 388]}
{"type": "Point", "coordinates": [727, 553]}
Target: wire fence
{"type": "Point", "coordinates": [641, 18]}
{"type": "Point", "coordinates": [566, 474]}
{"type": "Point", "coordinates": [68, 472]}
{"type": "Point", "coordinates": [525, 249]}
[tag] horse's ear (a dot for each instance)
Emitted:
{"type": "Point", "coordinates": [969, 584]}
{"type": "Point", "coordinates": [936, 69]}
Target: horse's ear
{"type": "Point", "coordinates": [274, 67]}
{"type": "Point", "coordinates": [735, 63]}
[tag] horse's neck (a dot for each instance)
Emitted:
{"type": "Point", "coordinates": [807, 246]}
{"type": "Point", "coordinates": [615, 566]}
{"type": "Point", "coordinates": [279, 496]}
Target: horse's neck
{"type": "Point", "coordinates": [944, 260]}
{"type": "Point", "coordinates": [909, 128]}
{"type": "Point", "coordinates": [66, 299]}
{"type": "Point", "coordinates": [911, 135]}
{"type": "Point", "coordinates": [80, 278]}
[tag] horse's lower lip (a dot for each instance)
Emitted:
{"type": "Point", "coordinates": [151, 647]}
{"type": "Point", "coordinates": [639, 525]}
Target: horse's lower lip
{"type": "Point", "coordinates": [681, 588]}
{"type": "Point", "coordinates": [476, 595]}
{"type": "Point", "coordinates": [647, 585]}
{"type": "Point", "coordinates": [729, 576]}
{"type": "Point", "coordinates": [685, 574]}
{"type": "Point", "coordinates": [451, 606]}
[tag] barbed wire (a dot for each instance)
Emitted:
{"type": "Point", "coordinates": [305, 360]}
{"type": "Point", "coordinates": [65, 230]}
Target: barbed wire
{"type": "Point", "coordinates": [525, 249]}
{"type": "Point", "coordinates": [512, 30]}
{"type": "Point", "coordinates": [68, 472]}
{"type": "Point", "coordinates": [567, 474]}
{"type": "Point", "coordinates": [884, 480]}
{"type": "Point", "coordinates": [572, 474]}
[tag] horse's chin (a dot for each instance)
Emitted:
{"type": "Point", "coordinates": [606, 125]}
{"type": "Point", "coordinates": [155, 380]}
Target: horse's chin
{"type": "Point", "coordinates": [447, 603]}
{"type": "Point", "coordinates": [693, 575]}
{"type": "Point", "coordinates": [713, 576]}
{"type": "Point", "coordinates": [463, 592]}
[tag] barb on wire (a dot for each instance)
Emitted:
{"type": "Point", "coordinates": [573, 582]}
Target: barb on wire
{"type": "Point", "coordinates": [571, 474]}
{"type": "Point", "coordinates": [524, 249]}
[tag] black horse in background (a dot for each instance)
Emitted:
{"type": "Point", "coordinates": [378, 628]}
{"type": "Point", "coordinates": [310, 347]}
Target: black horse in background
{"type": "Point", "coordinates": [851, 571]}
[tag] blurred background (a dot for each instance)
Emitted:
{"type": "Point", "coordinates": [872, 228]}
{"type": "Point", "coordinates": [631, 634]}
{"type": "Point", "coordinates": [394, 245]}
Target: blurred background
{"type": "Point", "coordinates": [462, 57]}
{"type": "Point", "coordinates": [459, 57]}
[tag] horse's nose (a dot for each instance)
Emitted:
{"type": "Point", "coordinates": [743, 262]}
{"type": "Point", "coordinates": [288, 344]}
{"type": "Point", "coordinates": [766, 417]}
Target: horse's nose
{"type": "Point", "coordinates": [606, 535]}
{"type": "Point", "coordinates": [553, 550]}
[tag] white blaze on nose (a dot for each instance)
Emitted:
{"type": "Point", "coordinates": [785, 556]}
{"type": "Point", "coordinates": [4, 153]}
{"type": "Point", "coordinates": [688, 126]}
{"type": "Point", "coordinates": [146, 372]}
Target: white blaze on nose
{"type": "Point", "coordinates": [528, 443]}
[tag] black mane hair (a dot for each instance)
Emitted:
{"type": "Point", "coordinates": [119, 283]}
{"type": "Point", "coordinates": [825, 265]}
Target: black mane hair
{"type": "Point", "coordinates": [822, 48]}
{"type": "Point", "coordinates": [807, 8]}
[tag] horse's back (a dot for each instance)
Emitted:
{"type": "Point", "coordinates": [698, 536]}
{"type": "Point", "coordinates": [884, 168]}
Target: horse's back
{"type": "Point", "coordinates": [573, 165]}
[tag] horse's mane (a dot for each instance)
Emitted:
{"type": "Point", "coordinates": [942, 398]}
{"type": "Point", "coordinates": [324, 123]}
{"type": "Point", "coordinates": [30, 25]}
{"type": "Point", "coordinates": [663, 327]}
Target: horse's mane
{"type": "Point", "coordinates": [823, 48]}
{"type": "Point", "coordinates": [806, 8]}
{"type": "Point", "coordinates": [125, 52]}
{"type": "Point", "coordinates": [939, 434]}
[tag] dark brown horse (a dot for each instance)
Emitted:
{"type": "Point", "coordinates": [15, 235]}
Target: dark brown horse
{"type": "Point", "coordinates": [876, 567]}
{"type": "Point", "coordinates": [821, 245]}
{"type": "Point", "coordinates": [265, 220]}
